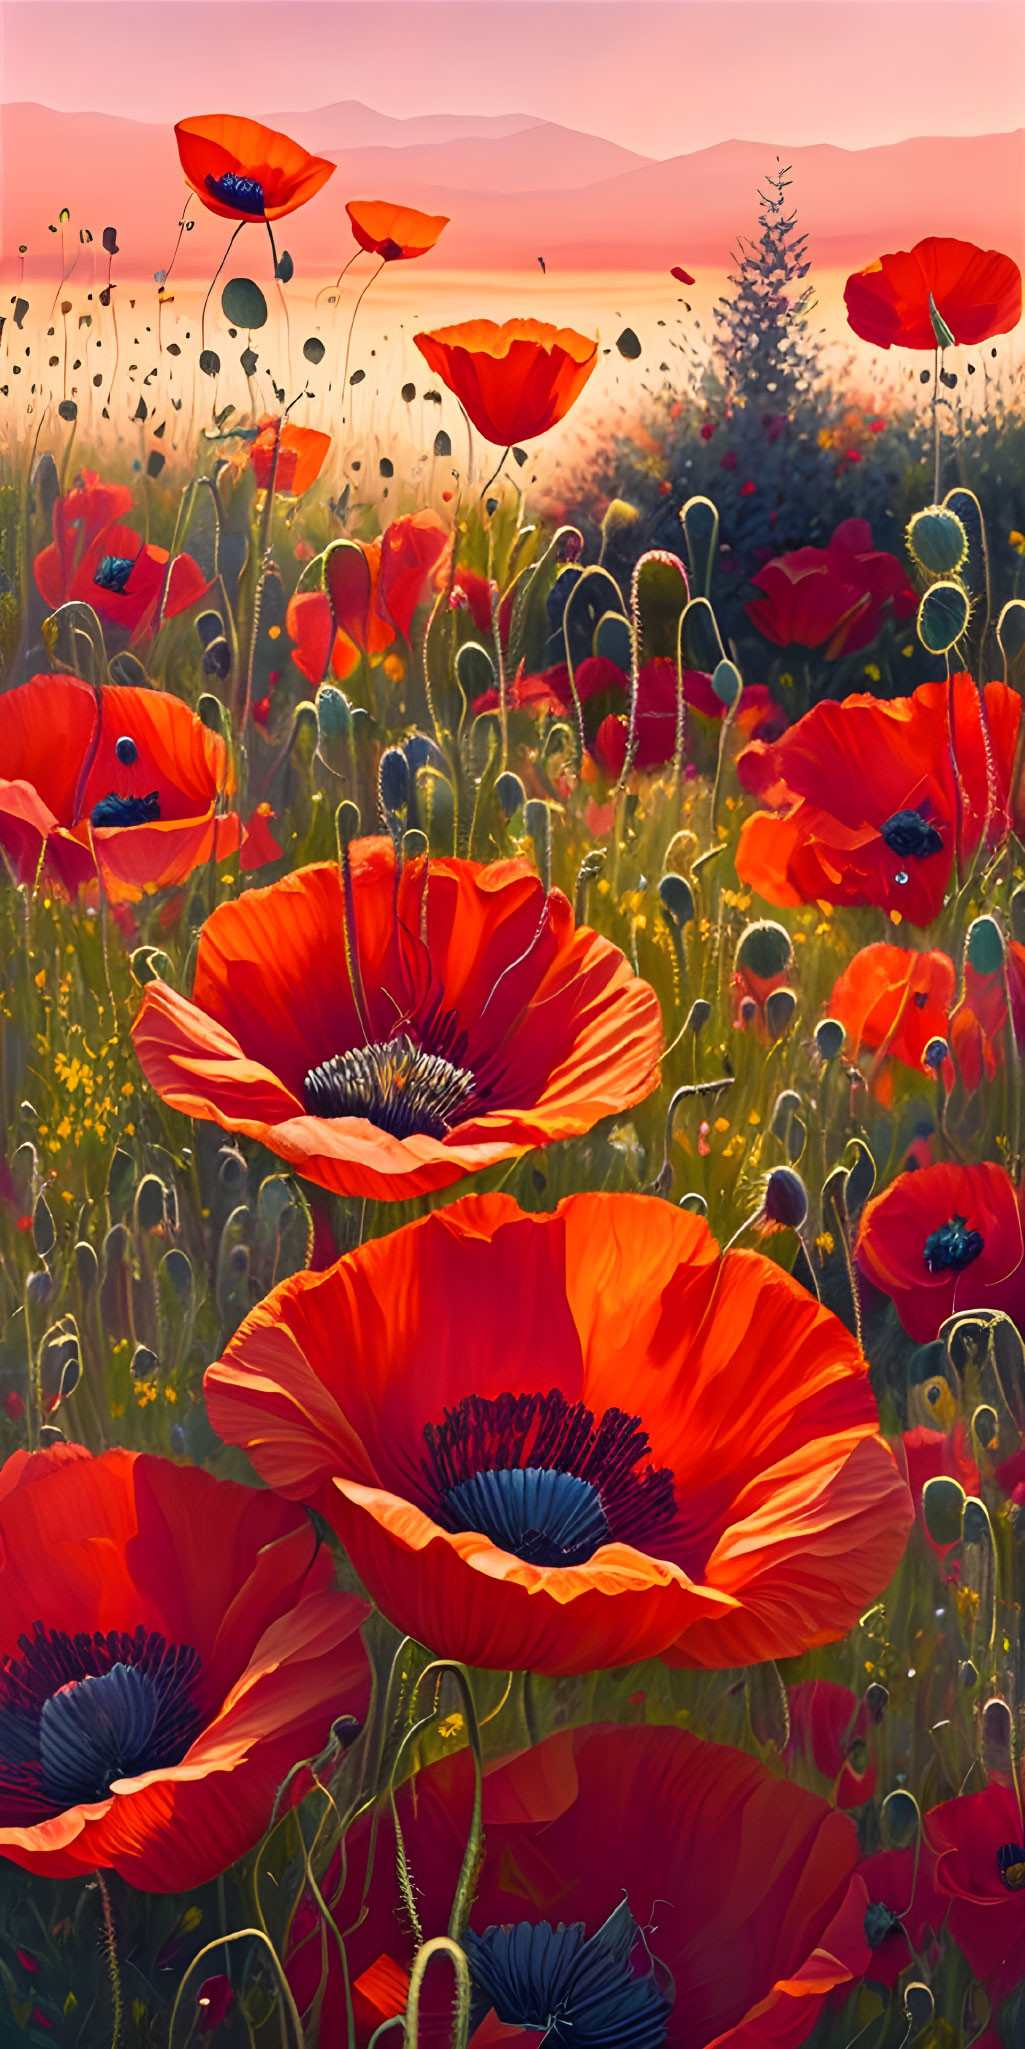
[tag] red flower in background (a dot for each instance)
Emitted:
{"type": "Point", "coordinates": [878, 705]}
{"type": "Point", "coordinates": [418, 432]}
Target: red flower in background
{"type": "Point", "coordinates": [514, 381]}
{"type": "Point", "coordinates": [301, 454]}
{"type": "Point", "coordinates": [872, 809]}
{"type": "Point", "coordinates": [96, 561]}
{"type": "Point", "coordinates": [484, 1022]}
{"type": "Point", "coordinates": [893, 1004]}
{"type": "Point", "coordinates": [830, 1727]}
{"type": "Point", "coordinates": [838, 595]}
{"type": "Point", "coordinates": [978, 1842]}
{"type": "Point", "coordinates": [396, 233]}
{"type": "Point", "coordinates": [244, 171]}
{"type": "Point", "coordinates": [906, 1911]}
{"type": "Point", "coordinates": [504, 1508]}
{"type": "Point", "coordinates": [656, 715]}
{"type": "Point", "coordinates": [80, 516]}
{"type": "Point", "coordinates": [646, 1886]}
{"type": "Point", "coordinates": [170, 1647]}
{"type": "Point", "coordinates": [135, 780]}
{"type": "Point", "coordinates": [943, 1239]}
{"type": "Point", "coordinates": [372, 589]}
{"type": "Point", "coordinates": [977, 292]}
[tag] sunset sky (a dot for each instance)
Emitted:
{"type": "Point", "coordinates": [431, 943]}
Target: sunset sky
{"type": "Point", "coordinates": [661, 76]}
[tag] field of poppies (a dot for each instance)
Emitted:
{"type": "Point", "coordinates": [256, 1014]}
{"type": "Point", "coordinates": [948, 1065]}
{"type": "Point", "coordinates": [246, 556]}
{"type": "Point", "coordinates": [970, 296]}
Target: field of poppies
{"type": "Point", "coordinates": [512, 1286]}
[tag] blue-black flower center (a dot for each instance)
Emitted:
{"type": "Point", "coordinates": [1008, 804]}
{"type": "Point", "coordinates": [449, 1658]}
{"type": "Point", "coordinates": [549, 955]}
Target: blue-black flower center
{"type": "Point", "coordinates": [579, 1992]}
{"type": "Point", "coordinates": [246, 195]}
{"type": "Point", "coordinates": [79, 1712]}
{"type": "Point", "coordinates": [909, 834]}
{"type": "Point", "coordinates": [952, 1247]}
{"type": "Point", "coordinates": [397, 1085]}
{"type": "Point", "coordinates": [112, 573]}
{"type": "Point", "coordinates": [1011, 1865]}
{"type": "Point", "coordinates": [543, 1478]}
{"type": "Point", "coordinates": [880, 1921]}
{"type": "Point", "coordinates": [115, 810]}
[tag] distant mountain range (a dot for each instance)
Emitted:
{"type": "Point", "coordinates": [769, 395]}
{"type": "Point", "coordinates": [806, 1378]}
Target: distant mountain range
{"type": "Point", "coordinates": [516, 188]}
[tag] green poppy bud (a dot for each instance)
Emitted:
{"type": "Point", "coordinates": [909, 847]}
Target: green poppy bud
{"type": "Point", "coordinates": [943, 617]}
{"type": "Point", "coordinates": [937, 540]}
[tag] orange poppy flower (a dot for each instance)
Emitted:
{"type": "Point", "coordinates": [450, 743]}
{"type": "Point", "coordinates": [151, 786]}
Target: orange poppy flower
{"type": "Point", "coordinates": [514, 381]}
{"type": "Point", "coordinates": [977, 292]}
{"type": "Point", "coordinates": [874, 805]}
{"type": "Point", "coordinates": [502, 1505]}
{"type": "Point", "coordinates": [244, 171]}
{"type": "Point", "coordinates": [945, 1238]}
{"type": "Point", "coordinates": [121, 576]}
{"type": "Point", "coordinates": [483, 1022]}
{"type": "Point", "coordinates": [170, 1648]}
{"type": "Point", "coordinates": [371, 590]}
{"type": "Point", "coordinates": [80, 516]}
{"type": "Point", "coordinates": [395, 232]}
{"type": "Point", "coordinates": [893, 1004]}
{"type": "Point", "coordinates": [137, 784]}
{"type": "Point", "coordinates": [302, 452]}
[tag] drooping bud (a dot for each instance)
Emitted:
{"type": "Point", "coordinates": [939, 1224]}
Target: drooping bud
{"type": "Point", "coordinates": [677, 900]}
{"type": "Point", "coordinates": [334, 713]}
{"type": "Point", "coordinates": [144, 1363]}
{"type": "Point", "coordinates": [510, 793]}
{"type": "Point", "coordinates": [936, 1052]}
{"type": "Point", "coordinates": [698, 1015]}
{"type": "Point", "coordinates": [393, 781]}
{"type": "Point", "coordinates": [943, 1507]}
{"type": "Point", "coordinates": [1011, 630]}
{"type": "Point", "coordinates": [943, 617]}
{"type": "Point", "coordinates": [764, 949]}
{"type": "Point", "coordinates": [919, 2005]}
{"type": "Point", "coordinates": [700, 521]}
{"type": "Point", "coordinates": [785, 1200]}
{"type": "Point", "coordinates": [877, 1700]}
{"type": "Point", "coordinates": [44, 1233]}
{"type": "Point", "coordinates": [829, 1038]}
{"type": "Point", "coordinates": [787, 1105]}
{"type": "Point", "coordinates": [726, 682]}
{"type": "Point", "coordinates": [475, 670]}
{"type": "Point", "coordinates": [985, 948]}
{"type": "Point", "coordinates": [612, 639]}
{"type": "Point", "coordinates": [780, 1005]}
{"type": "Point", "coordinates": [901, 1819]}
{"type": "Point", "coordinates": [619, 518]}
{"type": "Point", "coordinates": [937, 540]}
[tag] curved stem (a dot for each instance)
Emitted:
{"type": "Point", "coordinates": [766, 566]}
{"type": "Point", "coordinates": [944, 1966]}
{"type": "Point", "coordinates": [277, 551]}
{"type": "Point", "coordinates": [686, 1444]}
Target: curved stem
{"type": "Point", "coordinates": [496, 473]}
{"type": "Point", "coordinates": [348, 339]}
{"type": "Point", "coordinates": [213, 281]}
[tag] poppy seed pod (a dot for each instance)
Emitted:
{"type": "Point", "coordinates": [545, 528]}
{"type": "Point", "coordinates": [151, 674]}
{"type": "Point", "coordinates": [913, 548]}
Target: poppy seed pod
{"type": "Point", "coordinates": [677, 900]}
{"type": "Point", "coordinates": [726, 682]}
{"type": "Point", "coordinates": [785, 1201]}
{"type": "Point", "coordinates": [334, 713]}
{"type": "Point", "coordinates": [943, 617]}
{"type": "Point", "coordinates": [698, 1015]}
{"type": "Point", "coordinates": [780, 1005]}
{"type": "Point", "coordinates": [829, 1038]}
{"type": "Point", "coordinates": [937, 540]}
{"type": "Point", "coordinates": [985, 948]}
{"type": "Point", "coordinates": [787, 1105]}
{"type": "Point", "coordinates": [393, 780]}
{"type": "Point", "coordinates": [764, 949]}
{"type": "Point", "coordinates": [943, 1506]}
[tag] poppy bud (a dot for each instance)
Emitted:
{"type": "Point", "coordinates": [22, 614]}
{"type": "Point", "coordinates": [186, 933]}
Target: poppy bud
{"type": "Point", "coordinates": [968, 1674]}
{"type": "Point", "coordinates": [764, 949]}
{"type": "Point", "coordinates": [901, 1819]}
{"type": "Point", "coordinates": [919, 2005]}
{"type": "Point", "coordinates": [148, 964]}
{"type": "Point", "coordinates": [787, 1105]}
{"type": "Point", "coordinates": [415, 844]}
{"type": "Point", "coordinates": [996, 1739]}
{"type": "Point", "coordinates": [726, 683]}
{"type": "Point", "coordinates": [1011, 629]}
{"type": "Point", "coordinates": [87, 1267]}
{"type": "Point", "coordinates": [943, 1507]}
{"type": "Point", "coordinates": [677, 900]}
{"type": "Point", "coordinates": [144, 1363]}
{"type": "Point", "coordinates": [748, 1012]}
{"type": "Point", "coordinates": [393, 780]}
{"type": "Point", "coordinates": [877, 1700]}
{"type": "Point", "coordinates": [38, 1289]}
{"type": "Point", "coordinates": [943, 617]}
{"type": "Point", "coordinates": [985, 1425]}
{"type": "Point", "coordinates": [700, 521]}
{"type": "Point", "coordinates": [985, 948]}
{"type": "Point", "coordinates": [569, 544]}
{"type": "Point", "coordinates": [785, 1200]}
{"type": "Point", "coordinates": [780, 1005]}
{"type": "Point", "coordinates": [44, 1234]}
{"type": "Point", "coordinates": [216, 660]}
{"type": "Point", "coordinates": [698, 1016]}
{"type": "Point", "coordinates": [150, 1203]}
{"type": "Point", "coordinates": [936, 1052]}
{"type": "Point", "coordinates": [937, 540]}
{"type": "Point", "coordinates": [829, 1038]}
{"type": "Point", "coordinates": [231, 1171]}
{"type": "Point", "coordinates": [334, 713]}
{"type": "Point", "coordinates": [475, 670]}
{"type": "Point", "coordinates": [176, 1268]}
{"type": "Point", "coordinates": [619, 516]}
{"type": "Point", "coordinates": [211, 713]}
{"type": "Point", "coordinates": [695, 1203]}
{"type": "Point", "coordinates": [538, 821]}
{"type": "Point", "coordinates": [510, 793]}
{"type": "Point", "coordinates": [612, 639]}
{"type": "Point", "coordinates": [347, 825]}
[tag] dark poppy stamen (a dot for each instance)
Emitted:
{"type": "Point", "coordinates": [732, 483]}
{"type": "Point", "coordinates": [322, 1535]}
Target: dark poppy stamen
{"type": "Point", "coordinates": [246, 195]}
{"type": "Point", "coordinates": [952, 1247]}
{"type": "Point", "coordinates": [396, 1085]}
{"type": "Point", "coordinates": [911, 836]}
{"type": "Point", "coordinates": [880, 1921]}
{"type": "Point", "coordinates": [115, 810]}
{"type": "Point", "coordinates": [1011, 1865]}
{"type": "Point", "coordinates": [575, 1988]}
{"type": "Point", "coordinates": [112, 573]}
{"type": "Point", "coordinates": [542, 1479]}
{"type": "Point", "coordinates": [79, 1712]}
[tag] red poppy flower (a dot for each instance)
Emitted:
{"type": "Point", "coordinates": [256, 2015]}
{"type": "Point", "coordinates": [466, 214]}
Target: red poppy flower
{"type": "Point", "coordinates": [505, 1508]}
{"type": "Point", "coordinates": [395, 232]}
{"type": "Point", "coordinates": [371, 590]}
{"type": "Point", "coordinates": [244, 171]}
{"type": "Point", "coordinates": [838, 594]}
{"type": "Point", "coordinates": [906, 1911]}
{"type": "Point", "coordinates": [874, 813]}
{"type": "Point", "coordinates": [655, 717]}
{"type": "Point", "coordinates": [893, 1004]}
{"type": "Point", "coordinates": [80, 516]}
{"type": "Point", "coordinates": [942, 1239]}
{"type": "Point", "coordinates": [977, 293]}
{"type": "Point", "coordinates": [124, 578]}
{"type": "Point", "coordinates": [170, 1648]}
{"type": "Point", "coordinates": [926, 1455]}
{"type": "Point", "coordinates": [486, 1022]}
{"type": "Point", "coordinates": [978, 1841]}
{"type": "Point", "coordinates": [301, 454]}
{"type": "Point", "coordinates": [137, 783]}
{"type": "Point", "coordinates": [669, 1890]}
{"type": "Point", "coordinates": [830, 1729]}
{"type": "Point", "coordinates": [514, 381]}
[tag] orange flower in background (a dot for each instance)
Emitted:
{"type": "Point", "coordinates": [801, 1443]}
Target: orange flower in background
{"type": "Point", "coordinates": [474, 1021]}
{"type": "Point", "coordinates": [976, 292]}
{"type": "Point", "coordinates": [943, 1239]}
{"type": "Point", "coordinates": [371, 591]}
{"type": "Point", "coordinates": [130, 782]}
{"type": "Point", "coordinates": [893, 1004]}
{"type": "Point", "coordinates": [662, 1451]}
{"type": "Point", "coordinates": [80, 516]}
{"type": "Point", "coordinates": [395, 232]}
{"type": "Point", "coordinates": [244, 171]}
{"type": "Point", "coordinates": [301, 452]}
{"type": "Point", "coordinates": [170, 1648]}
{"type": "Point", "coordinates": [95, 561]}
{"type": "Point", "coordinates": [513, 381]}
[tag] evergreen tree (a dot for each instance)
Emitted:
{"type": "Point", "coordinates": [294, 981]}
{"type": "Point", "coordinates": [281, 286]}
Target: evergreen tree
{"type": "Point", "coordinates": [765, 356]}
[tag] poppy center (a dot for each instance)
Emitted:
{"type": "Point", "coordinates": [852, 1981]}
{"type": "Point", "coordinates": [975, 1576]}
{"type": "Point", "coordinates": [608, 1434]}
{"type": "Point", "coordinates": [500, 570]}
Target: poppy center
{"type": "Point", "coordinates": [232, 189]}
{"type": "Point", "coordinates": [115, 810]}
{"type": "Point", "coordinates": [542, 1479]}
{"type": "Point", "coordinates": [396, 1085]}
{"type": "Point", "coordinates": [880, 1921]}
{"type": "Point", "coordinates": [112, 573]}
{"type": "Point", "coordinates": [596, 1991]}
{"type": "Point", "coordinates": [909, 834]}
{"type": "Point", "coordinates": [1011, 1865]}
{"type": "Point", "coordinates": [79, 1712]}
{"type": "Point", "coordinates": [952, 1247]}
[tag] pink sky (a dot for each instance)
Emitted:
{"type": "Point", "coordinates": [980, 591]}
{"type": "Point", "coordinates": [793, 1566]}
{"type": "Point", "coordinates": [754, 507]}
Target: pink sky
{"type": "Point", "coordinates": [661, 76]}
